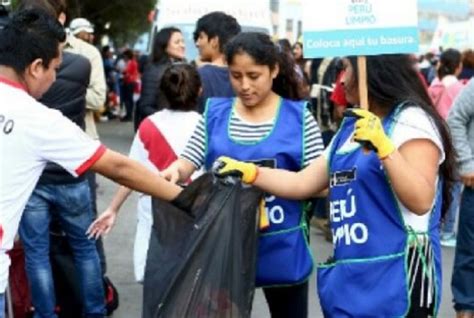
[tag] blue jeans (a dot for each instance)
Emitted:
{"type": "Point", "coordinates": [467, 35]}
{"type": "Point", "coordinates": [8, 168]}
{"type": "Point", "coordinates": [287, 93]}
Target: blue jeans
{"type": "Point", "coordinates": [450, 219]}
{"type": "Point", "coordinates": [2, 305]}
{"type": "Point", "coordinates": [462, 283]}
{"type": "Point", "coordinates": [72, 204]}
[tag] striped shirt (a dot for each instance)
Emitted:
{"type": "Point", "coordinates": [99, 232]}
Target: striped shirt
{"type": "Point", "coordinates": [246, 132]}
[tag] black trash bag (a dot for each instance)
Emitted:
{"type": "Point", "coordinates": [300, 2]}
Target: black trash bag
{"type": "Point", "coordinates": [203, 251]}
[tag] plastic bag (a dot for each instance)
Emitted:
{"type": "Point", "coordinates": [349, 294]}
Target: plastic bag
{"type": "Point", "coordinates": [202, 255]}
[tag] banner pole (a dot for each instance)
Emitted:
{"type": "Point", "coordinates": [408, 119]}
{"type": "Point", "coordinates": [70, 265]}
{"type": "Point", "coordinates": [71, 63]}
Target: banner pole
{"type": "Point", "coordinates": [362, 79]}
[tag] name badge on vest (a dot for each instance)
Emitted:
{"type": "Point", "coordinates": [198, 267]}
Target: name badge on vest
{"type": "Point", "coordinates": [342, 178]}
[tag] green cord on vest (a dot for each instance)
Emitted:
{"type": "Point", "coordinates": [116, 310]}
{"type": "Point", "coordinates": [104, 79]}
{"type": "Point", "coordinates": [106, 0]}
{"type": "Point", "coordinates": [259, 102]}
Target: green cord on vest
{"type": "Point", "coordinates": [413, 238]}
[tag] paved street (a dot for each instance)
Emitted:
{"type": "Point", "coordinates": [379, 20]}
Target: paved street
{"type": "Point", "coordinates": [119, 243]}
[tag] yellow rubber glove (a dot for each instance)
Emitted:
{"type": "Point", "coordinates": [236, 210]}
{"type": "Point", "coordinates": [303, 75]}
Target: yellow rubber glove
{"type": "Point", "coordinates": [225, 166]}
{"type": "Point", "coordinates": [370, 133]}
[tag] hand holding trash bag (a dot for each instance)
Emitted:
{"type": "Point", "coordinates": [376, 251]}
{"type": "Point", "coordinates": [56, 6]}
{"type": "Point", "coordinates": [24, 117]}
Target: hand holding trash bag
{"type": "Point", "coordinates": [225, 166]}
{"type": "Point", "coordinates": [202, 253]}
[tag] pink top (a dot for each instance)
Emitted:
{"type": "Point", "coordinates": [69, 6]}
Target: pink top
{"type": "Point", "coordinates": [443, 92]}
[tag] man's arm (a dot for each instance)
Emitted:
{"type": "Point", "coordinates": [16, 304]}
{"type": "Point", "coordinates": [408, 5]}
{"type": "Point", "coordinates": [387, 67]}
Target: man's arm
{"type": "Point", "coordinates": [134, 175]}
{"type": "Point", "coordinates": [460, 117]}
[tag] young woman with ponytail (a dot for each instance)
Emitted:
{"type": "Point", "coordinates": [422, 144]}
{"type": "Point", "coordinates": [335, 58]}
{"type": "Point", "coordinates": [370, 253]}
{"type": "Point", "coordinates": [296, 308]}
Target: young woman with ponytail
{"type": "Point", "coordinates": [446, 86]}
{"type": "Point", "coordinates": [267, 122]}
{"type": "Point", "coordinates": [157, 143]}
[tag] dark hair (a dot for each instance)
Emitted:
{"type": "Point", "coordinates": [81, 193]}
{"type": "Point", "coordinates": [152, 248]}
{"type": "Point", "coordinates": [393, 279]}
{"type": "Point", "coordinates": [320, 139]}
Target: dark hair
{"type": "Point", "coordinates": [301, 61]}
{"type": "Point", "coordinates": [449, 62]}
{"type": "Point", "coordinates": [52, 7]}
{"type": "Point", "coordinates": [181, 85]}
{"type": "Point", "coordinates": [261, 48]}
{"type": "Point", "coordinates": [219, 24]}
{"type": "Point", "coordinates": [128, 53]}
{"type": "Point", "coordinates": [160, 43]}
{"type": "Point", "coordinates": [430, 56]}
{"type": "Point", "coordinates": [392, 80]}
{"type": "Point", "coordinates": [285, 46]}
{"type": "Point", "coordinates": [105, 49]}
{"type": "Point", "coordinates": [468, 58]}
{"type": "Point", "coordinates": [298, 44]}
{"type": "Point", "coordinates": [30, 35]}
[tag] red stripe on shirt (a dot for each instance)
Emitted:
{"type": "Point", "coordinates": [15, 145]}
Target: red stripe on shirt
{"type": "Point", "coordinates": [1, 234]}
{"type": "Point", "coordinates": [160, 153]}
{"type": "Point", "coordinates": [12, 83]}
{"type": "Point", "coordinates": [96, 156]}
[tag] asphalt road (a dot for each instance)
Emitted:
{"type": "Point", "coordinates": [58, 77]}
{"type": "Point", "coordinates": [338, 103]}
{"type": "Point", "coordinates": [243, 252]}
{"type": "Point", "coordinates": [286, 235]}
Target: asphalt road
{"type": "Point", "coordinates": [119, 243]}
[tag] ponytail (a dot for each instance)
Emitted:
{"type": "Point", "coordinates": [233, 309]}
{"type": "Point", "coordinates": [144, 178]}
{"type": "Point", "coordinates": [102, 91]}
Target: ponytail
{"type": "Point", "coordinates": [449, 63]}
{"type": "Point", "coordinates": [288, 83]}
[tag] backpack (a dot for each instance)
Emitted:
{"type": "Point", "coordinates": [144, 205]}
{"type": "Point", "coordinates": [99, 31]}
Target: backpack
{"type": "Point", "coordinates": [66, 285]}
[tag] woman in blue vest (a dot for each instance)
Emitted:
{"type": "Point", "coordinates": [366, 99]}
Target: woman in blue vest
{"type": "Point", "coordinates": [390, 171]}
{"type": "Point", "coordinates": [266, 123]}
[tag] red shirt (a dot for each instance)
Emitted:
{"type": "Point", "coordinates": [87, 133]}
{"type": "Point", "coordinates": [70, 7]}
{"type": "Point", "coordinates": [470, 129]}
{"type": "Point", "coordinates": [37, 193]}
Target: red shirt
{"type": "Point", "coordinates": [131, 72]}
{"type": "Point", "coordinates": [338, 96]}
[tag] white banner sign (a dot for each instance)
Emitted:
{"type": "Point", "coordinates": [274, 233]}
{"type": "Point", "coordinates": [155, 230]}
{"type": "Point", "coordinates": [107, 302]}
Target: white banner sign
{"type": "Point", "coordinates": [359, 27]}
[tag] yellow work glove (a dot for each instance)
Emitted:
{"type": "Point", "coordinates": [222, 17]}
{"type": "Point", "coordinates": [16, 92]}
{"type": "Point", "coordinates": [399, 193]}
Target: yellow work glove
{"type": "Point", "coordinates": [225, 166]}
{"type": "Point", "coordinates": [370, 133]}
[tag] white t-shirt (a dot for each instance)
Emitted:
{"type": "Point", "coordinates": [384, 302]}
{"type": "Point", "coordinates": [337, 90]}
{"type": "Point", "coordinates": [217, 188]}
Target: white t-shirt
{"type": "Point", "coordinates": [161, 137]}
{"type": "Point", "coordinates": [30, 136]}
{"type": "Point", "coordinates": [412, 123]}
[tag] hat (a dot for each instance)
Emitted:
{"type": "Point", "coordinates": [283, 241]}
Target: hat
{"type": "Point", "coordinates": [79, 25]}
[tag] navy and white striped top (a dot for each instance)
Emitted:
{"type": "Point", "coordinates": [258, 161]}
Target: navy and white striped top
{"type": "Point", "coordinates": [243, 131]}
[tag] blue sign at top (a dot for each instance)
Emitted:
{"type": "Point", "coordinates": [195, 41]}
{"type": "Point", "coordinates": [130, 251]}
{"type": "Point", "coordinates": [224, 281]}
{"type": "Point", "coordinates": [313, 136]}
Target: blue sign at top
{"type": "Point", "coordinates": [361, 42]}
{"type": "Point", "coordinates": [359, 27]}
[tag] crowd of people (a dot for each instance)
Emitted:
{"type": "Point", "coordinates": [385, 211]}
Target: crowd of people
{"type": "Point", "coordinates": [261, 110]}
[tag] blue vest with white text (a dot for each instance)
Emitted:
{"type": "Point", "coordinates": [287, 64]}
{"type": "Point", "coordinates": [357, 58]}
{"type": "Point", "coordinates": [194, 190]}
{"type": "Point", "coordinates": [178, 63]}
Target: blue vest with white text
{"type": "Point", "coordinates": [368, 276]}
{"type": "Point", "coordinates": [283, 253]}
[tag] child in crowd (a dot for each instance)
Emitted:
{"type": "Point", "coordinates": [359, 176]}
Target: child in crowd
{"type": "Point", "coordinates": [159, 139]}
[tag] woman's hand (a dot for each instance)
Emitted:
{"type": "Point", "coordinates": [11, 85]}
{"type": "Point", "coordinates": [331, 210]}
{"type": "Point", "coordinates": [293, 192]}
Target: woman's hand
{"type": "Point", "coordinates": [103, 224]}
{"type": "Point", "coordinates": [225, 166]}
{"type": "Point", "coordinates": [370, 133]}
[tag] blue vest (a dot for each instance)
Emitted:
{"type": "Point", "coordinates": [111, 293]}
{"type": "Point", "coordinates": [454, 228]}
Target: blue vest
{"type": "Point", "coordinates": [284, 257]}
{"type": "Point", "coordinates": [368, 276]}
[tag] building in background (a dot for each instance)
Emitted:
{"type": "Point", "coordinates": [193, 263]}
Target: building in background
{"type": "Point", "coordinates": [446, 23]}
{"type": "Point", "coordinates": [287, 19]}
{"type": "Point", "coordinates": [253, 15]}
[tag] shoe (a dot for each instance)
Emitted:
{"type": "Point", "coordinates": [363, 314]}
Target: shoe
{"type": "Point", "coordinates": [448, 239]}
{"type": "Point", "coordinates": [125, 119]}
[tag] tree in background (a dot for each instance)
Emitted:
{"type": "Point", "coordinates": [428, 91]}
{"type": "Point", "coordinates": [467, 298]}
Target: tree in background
{"type": "Point", "coordinates": [127, 18]}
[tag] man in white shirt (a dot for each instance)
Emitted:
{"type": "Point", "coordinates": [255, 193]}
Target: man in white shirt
{"type": "Point", "coordinates": [96, 91]}
{"type": "Point", "coordinates": [32, 135]}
